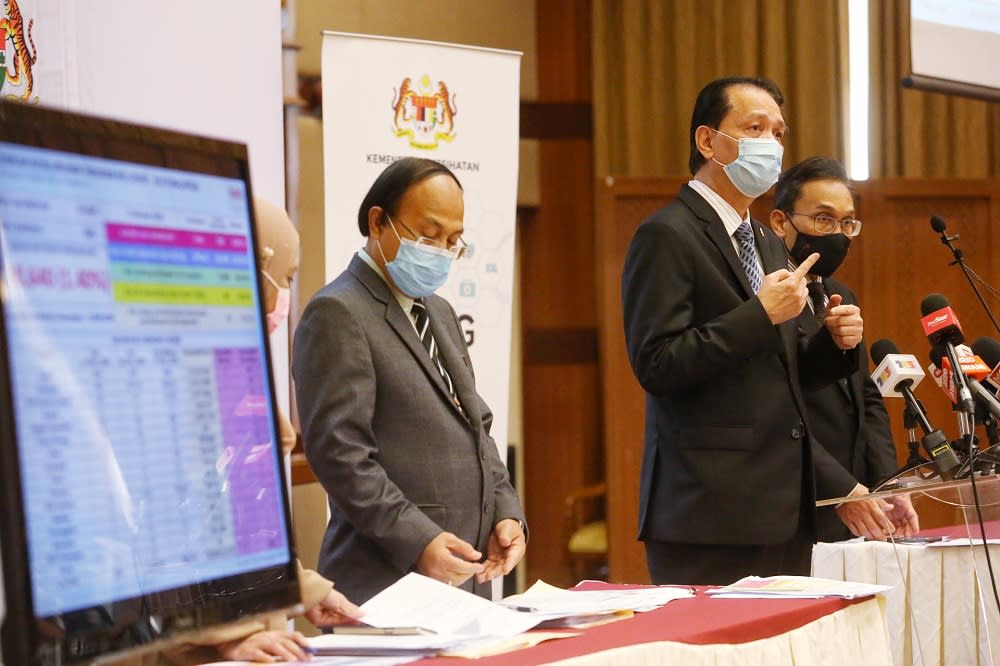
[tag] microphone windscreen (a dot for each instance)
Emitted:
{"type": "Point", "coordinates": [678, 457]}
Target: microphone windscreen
{"type": "Point", "coordinates": [938, 224]}
{"type": "Point", "coordinates": [882, 348]}
{"type": "Point", "coordinates": [936, 354]}
{"type": "Point", "coordinates": [932, 303]}
{"type": "Point", "coordinates": [987, 349]}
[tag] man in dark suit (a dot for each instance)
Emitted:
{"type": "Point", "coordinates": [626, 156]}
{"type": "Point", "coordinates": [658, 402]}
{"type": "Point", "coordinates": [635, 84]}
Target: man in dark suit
{"type": "Point", "coordinates": [729, 473]}
{"type": "Point", "coordinates": [814, 212]}
{"type": "Point", "coordinates": [391, 421]}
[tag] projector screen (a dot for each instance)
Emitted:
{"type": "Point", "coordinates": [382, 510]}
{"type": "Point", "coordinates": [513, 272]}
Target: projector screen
{"type": "Point", "coordinates": [955, 47]}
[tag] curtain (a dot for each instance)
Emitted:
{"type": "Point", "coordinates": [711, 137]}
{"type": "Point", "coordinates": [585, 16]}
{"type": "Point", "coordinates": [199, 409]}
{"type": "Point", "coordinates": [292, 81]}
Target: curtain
{"type": "Point", "coordinates": [919, 134]}
{"type": "Point", "coordinates": [652, 57]}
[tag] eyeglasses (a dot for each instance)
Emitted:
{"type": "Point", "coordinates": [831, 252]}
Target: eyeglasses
{"type": "Point", "coordinates": [828, 224]}
{"type": "Point", "coordinates": [456, 250]}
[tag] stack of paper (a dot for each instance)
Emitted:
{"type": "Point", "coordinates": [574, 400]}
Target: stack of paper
{"type": "Point", "coordinates": [796, 587]}
{"type": "Point", "coordinates": [418, 616]}
{"type": "Point", "coordinates": [452, 619]}
{"type": "Point", "coordinates": [553, 606]}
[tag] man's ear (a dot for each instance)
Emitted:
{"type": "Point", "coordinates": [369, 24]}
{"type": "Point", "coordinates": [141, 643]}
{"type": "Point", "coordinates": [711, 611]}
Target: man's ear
{"type": "Point", "coordinates": [703, 140]}
{"type": "Point", "coordinates": [375, 221]}
{"type": "Point", "coordinates": [777, 221]}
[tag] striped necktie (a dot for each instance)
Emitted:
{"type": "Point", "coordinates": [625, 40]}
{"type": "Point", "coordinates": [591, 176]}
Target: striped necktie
{"type": "Point", "coordinates": [817, 298]}
{"type": "Point", "coordinates": [423, 323]}
{"type": "Point", "coordinates": [748, 255]}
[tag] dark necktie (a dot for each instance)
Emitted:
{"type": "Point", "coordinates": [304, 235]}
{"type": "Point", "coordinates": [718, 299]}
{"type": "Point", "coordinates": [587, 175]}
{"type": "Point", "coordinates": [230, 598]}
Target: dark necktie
{"type": "Point", "coordinates": [423, 324]}
{"type": "Point", "coordinates": [748, 256]}
{"type": "Point", "coordinates": [817, 297]}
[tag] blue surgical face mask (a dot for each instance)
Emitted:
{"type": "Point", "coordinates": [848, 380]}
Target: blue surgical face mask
{"type": "Point", "coordinates": [757, 166]}
{"type": "Point", "coordinates": [418, 269]}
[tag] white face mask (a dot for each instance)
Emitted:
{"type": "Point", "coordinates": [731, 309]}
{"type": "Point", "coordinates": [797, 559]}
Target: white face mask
{"type": "Point", "coordinates": [282, 306]}
{"type": "Point", "coordinates": [757, 166]}
{"type": "Point", "coordinates": [417, 269]}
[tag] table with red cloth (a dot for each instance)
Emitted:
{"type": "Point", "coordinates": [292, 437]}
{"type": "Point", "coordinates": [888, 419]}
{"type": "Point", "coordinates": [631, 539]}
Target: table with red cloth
{"type": "Point", "coordinates": [941, 609]}
{"type": "Point", "coordinates": [708, 630]}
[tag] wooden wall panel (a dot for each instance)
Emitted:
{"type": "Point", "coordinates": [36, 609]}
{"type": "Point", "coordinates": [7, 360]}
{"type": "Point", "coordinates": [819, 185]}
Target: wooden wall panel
{"type": "Point", "coordinates": [561, 391]}
{"type": "Point", "coordinates": [622, 205]}
{"type": "Point", "coordinates": [892, 266]}
{"type": "Point", "coordinates": [904, 261]}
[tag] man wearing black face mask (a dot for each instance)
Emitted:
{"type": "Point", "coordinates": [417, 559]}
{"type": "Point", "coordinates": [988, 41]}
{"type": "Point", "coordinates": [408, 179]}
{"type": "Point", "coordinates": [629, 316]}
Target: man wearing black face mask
{"type": "Point", "coordinates": [814, 212]}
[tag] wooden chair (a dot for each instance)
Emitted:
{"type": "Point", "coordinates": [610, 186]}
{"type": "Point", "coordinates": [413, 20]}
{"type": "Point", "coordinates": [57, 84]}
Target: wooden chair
{"type": "Point", "coordinates": [587, 533]}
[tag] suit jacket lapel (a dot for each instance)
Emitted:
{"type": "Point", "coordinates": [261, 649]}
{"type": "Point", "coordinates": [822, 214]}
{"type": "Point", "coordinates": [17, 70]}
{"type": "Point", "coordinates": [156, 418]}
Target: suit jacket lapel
{"type": "Point", "coordinates": [716, 232]}
{"type": "Point", "coordinates": [808, 322]}
{"type": "Point", "coordinates": [772, 250]}
{"type": "Point", "coordinates": [456, 365]}
{"type": "Point", "coordinates": [400, 322]}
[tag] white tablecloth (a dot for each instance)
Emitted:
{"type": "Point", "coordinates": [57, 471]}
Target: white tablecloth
{"type": "Point", "coordinates": [934, 613]}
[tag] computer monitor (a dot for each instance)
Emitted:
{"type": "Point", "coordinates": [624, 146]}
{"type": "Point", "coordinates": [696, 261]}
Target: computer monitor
{"type": "Point", "coordinates": [141, 488]}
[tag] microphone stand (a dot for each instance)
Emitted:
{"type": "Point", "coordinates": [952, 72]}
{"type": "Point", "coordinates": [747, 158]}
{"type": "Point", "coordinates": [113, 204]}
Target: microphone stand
{"type": "Point", "coordinates": [965, 402]}
{"type": "Point", "coordinates": [967, 449]}
{"type": "Point", "coordinates": [991, 454]}
{"type": "Point", "coordinates": [914, 461]}
{"type": "Point", "coordinates": [946, 240]}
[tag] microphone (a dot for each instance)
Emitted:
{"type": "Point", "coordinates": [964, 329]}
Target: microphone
{"type": "Point", "coordinates": [989, 350]}
{"type": "Point", "coordinates": [940, 324]}
{"type": "Point", "coordinates": [973, 368]}
{"type": "Point", "coordinates": [895, 375]}
{"type": "Point", "coordinates": [943, 330]}
{"type": "Point", "coordinates": [938, 225]}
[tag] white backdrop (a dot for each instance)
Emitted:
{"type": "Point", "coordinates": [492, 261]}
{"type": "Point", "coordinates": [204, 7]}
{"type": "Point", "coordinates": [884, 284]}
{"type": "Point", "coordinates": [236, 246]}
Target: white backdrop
{"type": "Point", "coordinates": [187, 65]}
{"type": "Point", "coordinates": [470, 120]}
{"type": "Point", "coordinates": [207, 67]}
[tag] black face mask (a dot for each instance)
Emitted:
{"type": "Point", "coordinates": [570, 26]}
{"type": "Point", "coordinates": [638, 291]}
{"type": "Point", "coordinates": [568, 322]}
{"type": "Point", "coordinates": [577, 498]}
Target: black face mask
{"type": "Point", "coordinates": [832, 250]}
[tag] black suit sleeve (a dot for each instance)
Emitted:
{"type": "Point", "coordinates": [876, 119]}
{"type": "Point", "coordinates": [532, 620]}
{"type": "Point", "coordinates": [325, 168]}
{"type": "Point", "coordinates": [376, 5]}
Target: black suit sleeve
{"type": "Point", "coordinates": [822, 362]}
{"type": "Point", "coordinates": [667, 348]}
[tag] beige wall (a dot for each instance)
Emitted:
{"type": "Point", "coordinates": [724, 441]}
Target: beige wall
{"type": "Point", "coordinates": [506, 24]}
{"type": "Point", "coordinates": [503, 24]}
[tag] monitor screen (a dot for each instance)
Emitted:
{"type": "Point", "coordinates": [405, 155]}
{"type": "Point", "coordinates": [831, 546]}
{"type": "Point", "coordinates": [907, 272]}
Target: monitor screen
{"type": "Point", "coordinates": [145, 484]}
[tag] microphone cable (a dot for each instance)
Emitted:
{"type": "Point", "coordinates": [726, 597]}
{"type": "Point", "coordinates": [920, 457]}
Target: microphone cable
{"type": "Point", "coordinates": [982, 522]}
{"type": "Point", "coordinates": [940, 226]}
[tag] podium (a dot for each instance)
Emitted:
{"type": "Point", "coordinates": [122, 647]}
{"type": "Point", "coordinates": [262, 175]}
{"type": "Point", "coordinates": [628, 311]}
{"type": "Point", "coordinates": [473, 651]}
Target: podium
{"type": "Point", "coordinates": [942, 609]}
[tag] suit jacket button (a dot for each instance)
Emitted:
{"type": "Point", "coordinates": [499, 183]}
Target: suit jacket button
{"type": "Point", "coordinates": [797, 432]}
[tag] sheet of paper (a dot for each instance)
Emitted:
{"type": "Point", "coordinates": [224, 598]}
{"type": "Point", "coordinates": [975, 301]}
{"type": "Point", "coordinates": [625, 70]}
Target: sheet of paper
{"type": "Point", "coordinates": [419, 601]}
{"type": "Point", "coordinates": [796, 587]}
{"type": "Point", "coordinates": [490, 646]}
{"type": "Point", "coordinates": [424, 643]}
{"type": "Point", "coordinates": [327, 661]}
{"type": "Point", "coordinates": [542, 598]}
{"type": "Point", "coordinates": [964, 541]}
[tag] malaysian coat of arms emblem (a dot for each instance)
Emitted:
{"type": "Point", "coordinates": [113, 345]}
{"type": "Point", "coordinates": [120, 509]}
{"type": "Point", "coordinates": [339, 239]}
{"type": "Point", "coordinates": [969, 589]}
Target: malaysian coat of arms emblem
{"type": "Point", "coordinates": [15, 71]}
{"type": "Point", "coordinates": [424, 113]}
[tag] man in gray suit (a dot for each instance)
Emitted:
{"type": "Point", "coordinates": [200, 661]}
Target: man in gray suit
{"type": "Point", "coordinates": [391, 421]}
